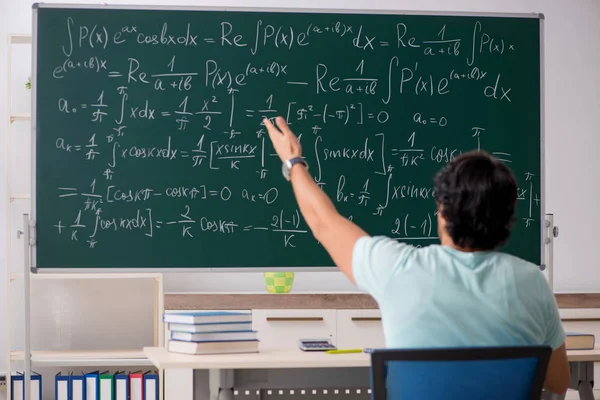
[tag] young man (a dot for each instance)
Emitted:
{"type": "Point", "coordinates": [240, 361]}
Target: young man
{"type": "Point", "coordinates": [458, 294]}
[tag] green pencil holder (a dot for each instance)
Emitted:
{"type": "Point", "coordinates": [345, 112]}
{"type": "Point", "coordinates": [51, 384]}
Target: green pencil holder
{"type": "Point", "coordinates": [279, 282]}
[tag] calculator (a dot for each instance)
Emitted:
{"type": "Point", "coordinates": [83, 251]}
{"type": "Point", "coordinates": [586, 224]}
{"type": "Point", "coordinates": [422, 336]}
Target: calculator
{"type": "Point", "coordinates": [316, 345]}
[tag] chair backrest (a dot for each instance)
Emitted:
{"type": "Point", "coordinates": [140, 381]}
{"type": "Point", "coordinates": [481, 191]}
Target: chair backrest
{"type": "Point", "coordinates": [485, 373]}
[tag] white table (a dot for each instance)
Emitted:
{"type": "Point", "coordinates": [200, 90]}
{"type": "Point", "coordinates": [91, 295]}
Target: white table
{"type": "Point", "coordinates": [582, 365]}
{"type": "Point", "coordinates": [286, 358]}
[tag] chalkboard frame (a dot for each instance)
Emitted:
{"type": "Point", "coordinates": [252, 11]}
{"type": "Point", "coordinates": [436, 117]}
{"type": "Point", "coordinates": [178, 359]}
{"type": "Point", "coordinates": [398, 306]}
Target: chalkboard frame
{"type": "Point", "coordinates": [35, 6]}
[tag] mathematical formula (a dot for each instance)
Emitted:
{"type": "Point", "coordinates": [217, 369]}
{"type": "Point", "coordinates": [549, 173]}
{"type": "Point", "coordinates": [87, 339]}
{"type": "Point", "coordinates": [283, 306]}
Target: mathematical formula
{"type": "Point", "coordinates": [164, 121]}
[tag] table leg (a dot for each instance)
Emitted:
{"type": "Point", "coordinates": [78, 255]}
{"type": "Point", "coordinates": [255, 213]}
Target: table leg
{"type": "Point", "coordinates": [224, 394]}
{"type": "Point", "coordinates": [262, 394]}
{"type": "Point", "coordinates": [585, 391]}
{"type": "Point", "coordinates": [582, 378]}
{"type": "Point", "coordinates": [220, 384]}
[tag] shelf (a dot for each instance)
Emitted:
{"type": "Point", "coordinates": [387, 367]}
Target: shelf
{"type": "Point", "coordinates": [77, 358]}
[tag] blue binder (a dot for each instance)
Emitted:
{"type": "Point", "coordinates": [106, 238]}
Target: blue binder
{"type": "Point", "coordinates": [77, 387]}
{"type": "Point", "coordinates": [92, 385]}
{"type": "Point", "coordinates": [62, 388]}
{"type": "Point", "coordinates": [36, 386]}
{"type": "Point", "coordinates": [18, 382]}
{"type": "Point", "coordinates": [121, 385]}
{"type": "Point", "coordinates": [150, 386]}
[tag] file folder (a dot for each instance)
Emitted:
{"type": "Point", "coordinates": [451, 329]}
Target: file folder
{"type": "Point", "coordinates": [136, 386]}
{"type": "Point", "coordinates": [17, 383]}
{"type": "Point", "coordinates": [78, 390]}
{"type": "Point", "coordinates": [36, 386]}
{"type": "Point", "coordinates": [92, 387]}
{"type": "Point", "coordinates": [61, 387]}
{"type": "Point", "coordinates": [150, 386]}
{"type": "Point", "coordinates": [106, 386]}
{"type": "Point", "coordinates": [121, 386]}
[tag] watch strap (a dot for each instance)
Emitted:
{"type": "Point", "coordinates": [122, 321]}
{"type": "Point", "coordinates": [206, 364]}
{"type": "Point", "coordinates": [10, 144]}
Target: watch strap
{"type": "Point", "coordinates": [293, 161]}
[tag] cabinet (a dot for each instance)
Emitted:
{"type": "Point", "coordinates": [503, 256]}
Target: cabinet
{"type": "Point", "coordinates": [359, 329]}
{"type": "Point", "coordinates": [279, 329]}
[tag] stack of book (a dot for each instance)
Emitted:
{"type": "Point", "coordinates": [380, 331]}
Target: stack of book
{"type": "Point", "coordinates": [210, 332]}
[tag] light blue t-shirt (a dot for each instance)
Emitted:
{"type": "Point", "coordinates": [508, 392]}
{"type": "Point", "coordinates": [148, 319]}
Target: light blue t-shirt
{"type": "Point", "coordinates": [437, 296]}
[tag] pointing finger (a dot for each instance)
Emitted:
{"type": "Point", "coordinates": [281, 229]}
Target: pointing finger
{"type": "Point", "coordinates": [268, 123]}
{"type": "Point", "coordinates": [272, 129]}
{"type": "Point", "coordinates": [283, 126]}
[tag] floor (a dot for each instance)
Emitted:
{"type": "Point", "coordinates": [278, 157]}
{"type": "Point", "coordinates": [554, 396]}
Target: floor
{"type": "Point", "coordinates": [573, 395]}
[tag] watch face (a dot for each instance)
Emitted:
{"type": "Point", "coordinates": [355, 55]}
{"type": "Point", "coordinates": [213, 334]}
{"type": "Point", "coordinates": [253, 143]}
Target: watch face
{"type": "Point", "coordinates": [285, 171]}
{"type": "Point", "coordinates": [286, 167]}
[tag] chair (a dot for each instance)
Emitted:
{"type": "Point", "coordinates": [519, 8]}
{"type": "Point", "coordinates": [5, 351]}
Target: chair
{"type": "Point", "coordinates": [482, 373]}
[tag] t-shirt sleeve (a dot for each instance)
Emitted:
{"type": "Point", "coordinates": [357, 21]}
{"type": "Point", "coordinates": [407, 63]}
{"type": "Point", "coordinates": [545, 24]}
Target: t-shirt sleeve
{"type": "Point", "coordinates": [375, 260]}
{"type": "Point", "coordinates": [555, 333]}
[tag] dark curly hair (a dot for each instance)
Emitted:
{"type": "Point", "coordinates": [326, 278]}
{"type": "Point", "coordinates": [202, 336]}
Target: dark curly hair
{"type": "Point", "coordinates": [477, 194]}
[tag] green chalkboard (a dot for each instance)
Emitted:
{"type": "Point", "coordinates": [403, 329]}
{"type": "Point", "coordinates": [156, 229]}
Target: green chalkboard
{"type": "Point", "coordinates": [150, 153]}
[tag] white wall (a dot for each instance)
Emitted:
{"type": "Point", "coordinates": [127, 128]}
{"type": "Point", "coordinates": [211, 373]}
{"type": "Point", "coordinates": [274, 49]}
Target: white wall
{"type": "Point", "coordinates": [572, 108]}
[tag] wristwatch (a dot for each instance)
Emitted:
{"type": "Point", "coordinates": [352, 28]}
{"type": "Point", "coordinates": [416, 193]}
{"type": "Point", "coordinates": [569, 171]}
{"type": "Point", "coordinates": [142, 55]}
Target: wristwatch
{"type": "Point", "coordinates": [286, 167]}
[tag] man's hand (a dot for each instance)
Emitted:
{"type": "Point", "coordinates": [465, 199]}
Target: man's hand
{"type": "Point", "coordinates": [284, 141]}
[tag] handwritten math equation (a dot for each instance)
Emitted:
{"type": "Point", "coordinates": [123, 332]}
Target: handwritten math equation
{"type": "Point", "coordinates": [161, 124]}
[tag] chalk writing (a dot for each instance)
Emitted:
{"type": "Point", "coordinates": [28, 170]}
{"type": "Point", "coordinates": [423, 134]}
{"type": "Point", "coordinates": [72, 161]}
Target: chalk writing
{"type": "Point", "coordinates": [155, 124]}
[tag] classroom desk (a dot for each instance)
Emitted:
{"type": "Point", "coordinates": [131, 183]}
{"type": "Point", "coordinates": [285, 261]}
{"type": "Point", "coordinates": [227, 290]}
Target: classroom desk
{"type": "Point", "coordinates": [581, 361]}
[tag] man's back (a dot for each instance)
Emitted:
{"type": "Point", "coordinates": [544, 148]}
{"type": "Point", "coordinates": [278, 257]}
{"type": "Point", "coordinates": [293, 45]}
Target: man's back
{"type": "Point", "coordinates": [438, 296]}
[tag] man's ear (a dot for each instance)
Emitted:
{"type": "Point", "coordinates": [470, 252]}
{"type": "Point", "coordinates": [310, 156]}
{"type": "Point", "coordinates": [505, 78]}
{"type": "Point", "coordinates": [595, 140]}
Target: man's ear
{"type": "Point", "coordinates": [441, 224]}
{"type": "Point", "coordinates": [440, 217]}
